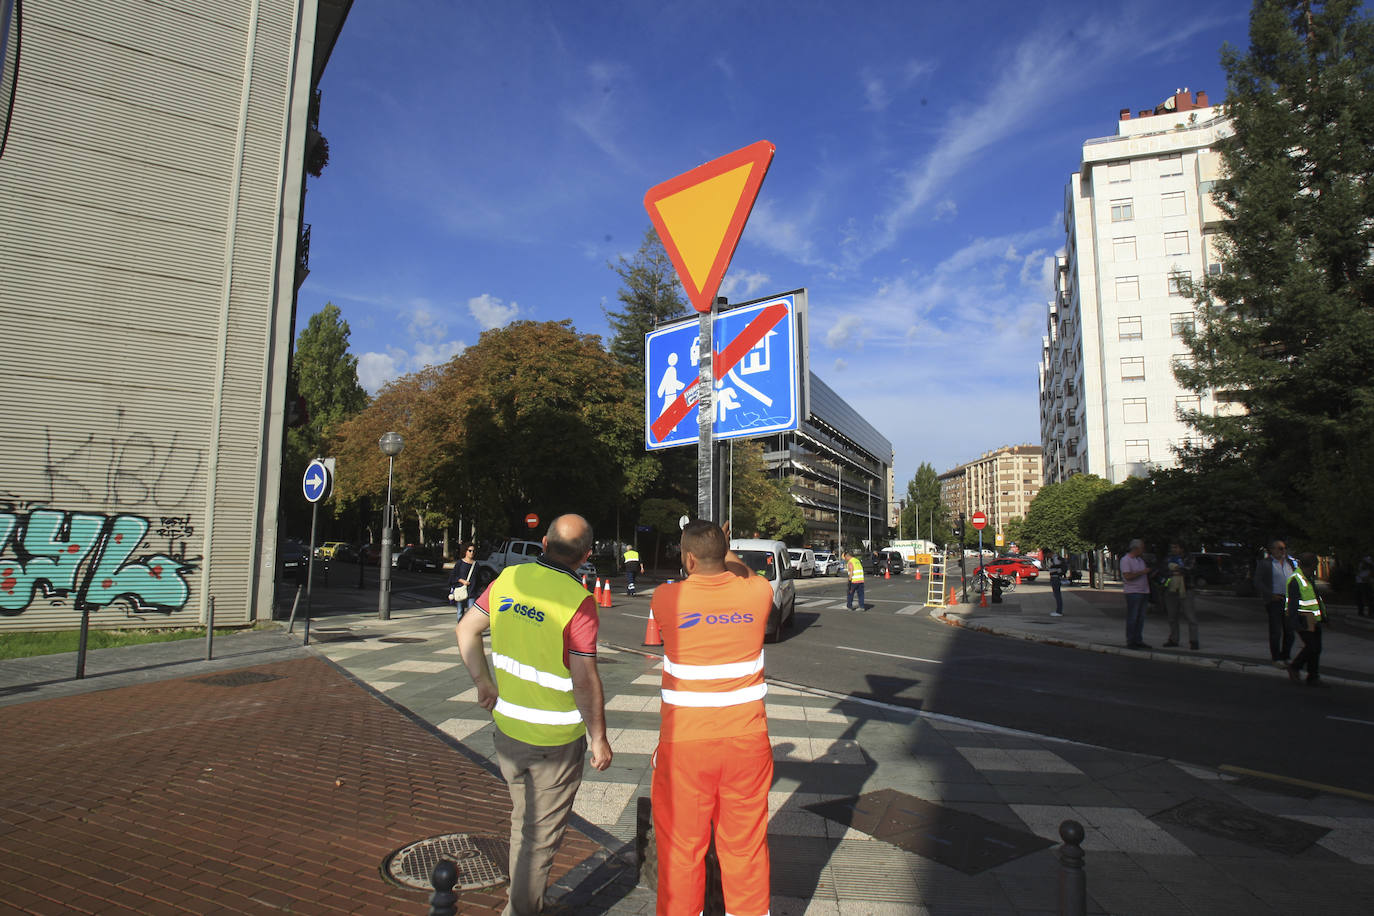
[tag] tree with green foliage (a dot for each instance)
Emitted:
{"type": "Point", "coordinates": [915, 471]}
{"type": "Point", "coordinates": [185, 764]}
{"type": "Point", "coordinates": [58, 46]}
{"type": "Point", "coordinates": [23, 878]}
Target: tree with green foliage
{"type": "Point", "coordinates": [650, 294]}
{"type": "Point", "coordinates": [663, 516]}
{"type": "Point", "coordinates": [761, 502]}
{"type": "Point", "coordinates": [923, 500]}
{"type": "Point", "coordinates": [1054, 519]}
{"type": "Point", "coordinates": [1286, 329]}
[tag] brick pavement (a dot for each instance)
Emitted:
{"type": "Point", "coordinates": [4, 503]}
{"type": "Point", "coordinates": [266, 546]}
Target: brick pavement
{"type": "Point", "coordinates": [279, 796]}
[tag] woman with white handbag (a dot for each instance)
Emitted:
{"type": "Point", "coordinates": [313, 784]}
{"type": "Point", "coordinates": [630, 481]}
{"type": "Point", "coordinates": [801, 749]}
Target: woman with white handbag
{"type": "Point", "coordinates": [459, 579]}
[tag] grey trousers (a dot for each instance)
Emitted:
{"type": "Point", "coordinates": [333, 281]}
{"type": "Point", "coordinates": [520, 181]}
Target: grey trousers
{"type": "Point", "coordinates": [1175, 604]}
{"type": "Point", "coordinates": [543, 782]}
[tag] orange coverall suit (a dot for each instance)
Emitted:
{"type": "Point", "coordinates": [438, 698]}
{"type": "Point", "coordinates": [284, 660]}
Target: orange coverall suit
{"type": "Point", "coordinates": [714, 763]}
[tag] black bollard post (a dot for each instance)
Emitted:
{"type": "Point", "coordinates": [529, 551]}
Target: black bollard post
{"type": "Point", "coordinates": [443, 902]}
{"type": "Point", "coordinates": [1073, 880]}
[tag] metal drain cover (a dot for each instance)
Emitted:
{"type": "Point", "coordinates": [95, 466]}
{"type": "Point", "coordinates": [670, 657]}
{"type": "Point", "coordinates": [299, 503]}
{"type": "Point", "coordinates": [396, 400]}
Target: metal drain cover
{"type": "Point", "coordinates": [1244, 825]}
{"type": "Point", "coordinates": [237, 679]}
{"type": "Point", "coordinates": [477, 858]}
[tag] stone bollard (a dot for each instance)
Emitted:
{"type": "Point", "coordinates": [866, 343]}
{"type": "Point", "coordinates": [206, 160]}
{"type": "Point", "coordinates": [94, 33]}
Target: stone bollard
{"type": "Point", "coordinates": [443, 902]}
{"type": "Point", "coordinates": [1073, 880]}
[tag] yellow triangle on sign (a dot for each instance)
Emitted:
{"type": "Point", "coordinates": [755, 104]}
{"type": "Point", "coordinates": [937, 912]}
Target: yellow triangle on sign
{"type": "Point", "coordinates": [700, 216]}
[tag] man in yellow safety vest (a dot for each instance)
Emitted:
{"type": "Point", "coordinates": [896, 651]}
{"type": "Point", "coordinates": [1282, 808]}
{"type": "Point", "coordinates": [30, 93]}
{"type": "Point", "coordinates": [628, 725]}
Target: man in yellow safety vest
{"type": "Point", "coordinates": [854, 569]}
{"type": "Point", "coordinates": [546, 698]}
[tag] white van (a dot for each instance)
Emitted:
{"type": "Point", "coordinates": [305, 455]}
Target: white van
{"type": "Point", "coordinates": [803, 560]}
{"type": "Point", "coordinates": [769, 559]}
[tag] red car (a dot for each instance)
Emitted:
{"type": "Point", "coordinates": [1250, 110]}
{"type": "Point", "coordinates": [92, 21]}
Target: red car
{"type": "Point", "coordinates": [1008, 567]}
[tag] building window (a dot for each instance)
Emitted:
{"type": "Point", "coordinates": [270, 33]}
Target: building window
{"type": "Point", "coordinates": [1134, 410]}
{"type": "Point", "coordinates": [1118, 172]}
{"type": "Point", "coordinates": [1176, 242]}
{"type": "Point", "coordinates": [1215, 269]}
{"type": "Point", "coordinates": [1124, 249]}
{"type": "Point", "coordinates": [1127, 289]}
{"type": "Point", "coordinates": [1185, 404]}
{"type": "Point", "coordinates": [1180, 322]}
{"type": "Point", "coordinates": [1173, 204]}
{"type": "Point", "coordinates": [1171, 166]}
{"type": "Point", "coordinates": [1177, 280]}
{"type": "Point", "coordinates": [1138, 450]}
{"type": "Point", "coordinates": [1133, 368]}
{"type": "Point", "coordinates": [1123, 210]}
{"type": "Point", "coordinates": [1182, 361]}
{"type": "Point", "coordinates": [1129, 328]}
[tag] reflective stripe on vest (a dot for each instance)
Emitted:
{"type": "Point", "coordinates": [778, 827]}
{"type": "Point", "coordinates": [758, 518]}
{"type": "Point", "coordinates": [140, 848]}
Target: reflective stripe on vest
{"type": "Point", "coordinates": [700, 698]}
{"type": "Point", "coordinates": [530, 606]}
{"type": "Point", "coordinates": [707, 672]}
{"type": "Point", "coordinates": [530, 673]}
{"type": "Point", "coordinates": [1308, 602]}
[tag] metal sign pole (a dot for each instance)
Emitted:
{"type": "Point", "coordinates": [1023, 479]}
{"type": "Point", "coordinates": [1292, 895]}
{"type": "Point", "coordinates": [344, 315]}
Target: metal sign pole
{"type": "Point", "coordinates": [706, 415]}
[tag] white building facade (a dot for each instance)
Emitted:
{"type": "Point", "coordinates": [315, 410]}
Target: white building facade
{"type": "Point", "coordinates": [1138, 218]}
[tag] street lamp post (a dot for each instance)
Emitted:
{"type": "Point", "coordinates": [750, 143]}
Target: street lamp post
{"type": "Point", "coordinates": [391, 445]}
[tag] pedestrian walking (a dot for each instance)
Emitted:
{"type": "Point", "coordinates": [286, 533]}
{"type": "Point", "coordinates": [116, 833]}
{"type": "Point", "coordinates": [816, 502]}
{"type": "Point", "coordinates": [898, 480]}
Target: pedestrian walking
{"type": "Point", "coordinates": [1271, 585]}
{"type": "Point", "coordinates": [1058, 569]}
{"type": "Point", "coordinates": [1135, 585]}
{"type": "Point", "coordinates": [460, 580]}
{"type": "Point", "coordinates": [1305, 610]}
{"type": "Point", "coordinates": [714, 763]}
{"type": "Point", "coordinates": [1178, 598]}
{"type": "Point", "coordinates": [854, 569]}
{"type": "Point", "coordinates": [631, 569]}
{"type": "Point", "coordinates": [546, 698]}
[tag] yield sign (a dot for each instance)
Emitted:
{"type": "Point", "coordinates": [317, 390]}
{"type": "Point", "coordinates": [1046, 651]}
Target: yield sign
{"type": "Point", "coordinates": [700, 216]}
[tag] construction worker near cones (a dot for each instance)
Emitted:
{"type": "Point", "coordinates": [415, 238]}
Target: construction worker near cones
{"type": "Point", "coordinates": [546, 698]}
{"type": "Point", "coordinates": [1305, 614]}
{"type": "Point", "coordinates": [631, 569]}
{"type": "Point", "coordinates": [854, 569]}
{"type": "Point", "coordinates": [714, 764]}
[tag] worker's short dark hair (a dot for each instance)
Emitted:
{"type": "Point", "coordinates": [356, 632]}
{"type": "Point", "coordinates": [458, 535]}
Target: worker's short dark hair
{"type": "Point", "coordinates": [705, 541]}
{"type": "Point", "coordinates": [1308, 561]}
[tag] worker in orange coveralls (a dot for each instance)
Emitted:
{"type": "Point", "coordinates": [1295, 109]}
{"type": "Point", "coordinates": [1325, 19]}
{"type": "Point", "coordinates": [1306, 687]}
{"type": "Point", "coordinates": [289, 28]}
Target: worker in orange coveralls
{"type": "Point", "coordinates": [714, 764]}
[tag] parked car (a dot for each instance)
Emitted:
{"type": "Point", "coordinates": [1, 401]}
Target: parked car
{"type": "Point", "coordinates": [896, 563]}
{"type": "Point", "coordinates": [827, 564]}
{"type": "Point", "coordinates": [769, 559]}
{"type": "Point", "coordinates": [328, 549]}
{"type": "Point", "coordinates": [803, 560]}
{"type": "Point", "coordinates": [1204, 569]}
{"type": "Point", "coordinates": [346, 553]}
{"type": "Point", "coordinates": [371, 554]}
{"type": "Point", "coordinates": [416, 559]}
{"type": "Point", "coordinates": [1009, 567]}
{"type": "Point", "coordinates": [292, 557]}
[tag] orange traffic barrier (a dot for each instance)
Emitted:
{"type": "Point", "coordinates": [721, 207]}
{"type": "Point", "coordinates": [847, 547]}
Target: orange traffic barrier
{"type": "Point", "coordinates": [652, 636]}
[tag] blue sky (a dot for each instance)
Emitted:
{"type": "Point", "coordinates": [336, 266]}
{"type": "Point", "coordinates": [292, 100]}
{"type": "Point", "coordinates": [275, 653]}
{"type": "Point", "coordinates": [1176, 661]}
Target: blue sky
{"type": "Point", "coordinates": [488, 159]}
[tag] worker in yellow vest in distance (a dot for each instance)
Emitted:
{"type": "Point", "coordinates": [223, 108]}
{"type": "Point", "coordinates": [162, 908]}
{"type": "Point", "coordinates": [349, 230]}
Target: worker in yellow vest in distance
{"type": "Point", "coordinates": [631, 569]}
{"type": "Point", "coordinates": [854, 569]}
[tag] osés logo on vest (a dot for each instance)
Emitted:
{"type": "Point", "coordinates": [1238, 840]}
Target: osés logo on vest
{"type": "Point", "coordinates": [692, 620]}
{"type": "Point", "coordinates": [508, 604]}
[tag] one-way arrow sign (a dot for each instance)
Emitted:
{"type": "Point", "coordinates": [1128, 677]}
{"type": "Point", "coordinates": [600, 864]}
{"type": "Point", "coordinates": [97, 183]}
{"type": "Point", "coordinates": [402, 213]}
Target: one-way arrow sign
{"type": "Point", "coordinates": [318, 481]}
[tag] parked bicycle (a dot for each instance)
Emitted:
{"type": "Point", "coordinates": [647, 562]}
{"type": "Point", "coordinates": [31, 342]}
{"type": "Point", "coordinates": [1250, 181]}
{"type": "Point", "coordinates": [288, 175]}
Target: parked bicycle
{"type": "Point", "coordinates": [982, 582]}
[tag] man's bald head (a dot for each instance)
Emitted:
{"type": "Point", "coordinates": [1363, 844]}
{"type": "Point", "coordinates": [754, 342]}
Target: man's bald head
{"type": "Point", "coordinates": [568, 540]}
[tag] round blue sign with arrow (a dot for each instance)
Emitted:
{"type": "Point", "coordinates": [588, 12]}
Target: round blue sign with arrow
{"type": "Point", "coordinates": [318, 481]}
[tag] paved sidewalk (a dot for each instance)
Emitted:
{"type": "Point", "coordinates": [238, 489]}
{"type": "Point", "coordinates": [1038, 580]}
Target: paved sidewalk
{"type": "Point", "coordinates": [149, 789]}
{"type": "Point", "coordinates": [1233, 632]}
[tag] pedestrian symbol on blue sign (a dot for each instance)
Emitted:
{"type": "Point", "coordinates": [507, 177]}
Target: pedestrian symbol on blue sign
{"type": "Point", "coordinates": [758, 363]}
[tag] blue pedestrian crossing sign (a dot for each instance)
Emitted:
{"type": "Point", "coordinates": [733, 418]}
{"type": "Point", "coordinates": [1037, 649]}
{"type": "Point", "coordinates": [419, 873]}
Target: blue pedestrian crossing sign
{"type": "Point", "coordinates": [759, 367]}
{"type": "Point", "coordinates": [319, 479]}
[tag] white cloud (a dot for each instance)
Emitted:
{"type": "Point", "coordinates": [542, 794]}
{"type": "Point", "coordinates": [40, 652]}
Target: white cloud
{"type": "Point", "coordinates": [375, 370]}
{"type": "Point", "coordinates": [598, 112]}
{"type": "Point", "coordinates": [841, 364]}
{"type": "Point", "coordinates": [842, 332]}
{"type": "Point", "coordinates": [491, 312]}
{"type": "Point", "coordinates": [743, 284]}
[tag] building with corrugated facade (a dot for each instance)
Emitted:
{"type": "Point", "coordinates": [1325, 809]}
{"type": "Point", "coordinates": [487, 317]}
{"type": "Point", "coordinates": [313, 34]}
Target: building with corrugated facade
{"type": "Point", "coordinates": [151, 196]}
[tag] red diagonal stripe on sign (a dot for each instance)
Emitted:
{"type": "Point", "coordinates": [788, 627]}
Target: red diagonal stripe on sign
{"type": "Point", "coordinates": [722, 363]}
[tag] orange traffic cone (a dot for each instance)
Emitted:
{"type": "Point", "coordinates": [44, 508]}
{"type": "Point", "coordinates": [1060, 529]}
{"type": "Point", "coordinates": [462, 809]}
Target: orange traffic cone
{"type": "Point", "coordinates": [982, 599]}
{"type": "Point", "coordinates": [952, 599]}
{"type": "Point", "coordinates": [1018, 577]}
{"type": "Point", "coordinates": [918, 574]}
{"type": "Point", "coordinates": [597, 593]}
{"type": "Point", "coordinates": [652, 636]}
{"type": "Point", "coordinates": [887, 573]}
{"type": "Point", "coordinates": [606, 594]}
{"type": "Point", "coordinates": [584, 581]}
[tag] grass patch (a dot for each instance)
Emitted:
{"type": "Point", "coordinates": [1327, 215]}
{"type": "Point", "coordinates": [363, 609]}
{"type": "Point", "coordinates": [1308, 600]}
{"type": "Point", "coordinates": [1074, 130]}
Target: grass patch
{"type": "Point", "coordinates": [26, 645]}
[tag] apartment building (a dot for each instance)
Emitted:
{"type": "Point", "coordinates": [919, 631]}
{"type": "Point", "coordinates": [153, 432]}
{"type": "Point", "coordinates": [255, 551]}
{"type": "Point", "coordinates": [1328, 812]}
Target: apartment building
{"type": "Point", "coordinates": [1138, 219]}
{"type": "Point", "coordinates": [1000, 483]}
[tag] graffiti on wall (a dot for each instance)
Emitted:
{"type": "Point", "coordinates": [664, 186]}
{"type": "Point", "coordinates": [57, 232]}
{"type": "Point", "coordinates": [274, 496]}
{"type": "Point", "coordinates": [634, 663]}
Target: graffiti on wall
{"type": "Point", "coordinates": [93, 559]}
{"type": "Point", "coordinates": [135, 469]}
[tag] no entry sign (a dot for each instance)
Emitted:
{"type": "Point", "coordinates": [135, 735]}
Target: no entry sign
{"type": "Point", "coordinates": [979, 521]}
{"type": "Point", "coordinates": [532, 520]}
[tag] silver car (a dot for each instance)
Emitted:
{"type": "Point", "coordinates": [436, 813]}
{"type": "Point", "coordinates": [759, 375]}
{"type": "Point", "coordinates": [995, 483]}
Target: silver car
{"type": "Point", "coordinates": [769, 559]}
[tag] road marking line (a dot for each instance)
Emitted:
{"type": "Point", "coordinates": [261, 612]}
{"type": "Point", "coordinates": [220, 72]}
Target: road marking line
{"type": "Point", "coordinates": [910, 658]}
{"type": "Point", "coordinates": [1307, 784]}
{"type": "Point", "coordinates": [912, 609]}
{"type": "Point", "coordinates": [1356, 721]}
